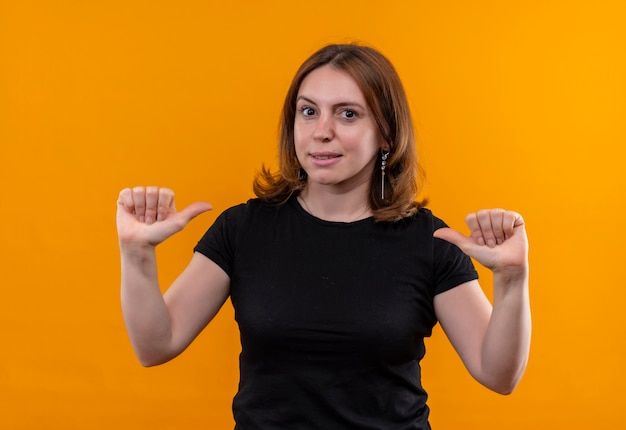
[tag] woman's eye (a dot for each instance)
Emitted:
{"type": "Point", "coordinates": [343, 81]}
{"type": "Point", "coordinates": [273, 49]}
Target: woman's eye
{"type": "Point", "coordinates": [307, 111]}
{"type": "Point", "coordinates": [349, 114]}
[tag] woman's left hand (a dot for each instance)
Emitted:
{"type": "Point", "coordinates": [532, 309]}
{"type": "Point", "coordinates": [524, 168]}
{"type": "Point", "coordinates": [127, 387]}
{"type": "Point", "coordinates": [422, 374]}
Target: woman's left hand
{"type": "Point", "coordinates": [497, 240]}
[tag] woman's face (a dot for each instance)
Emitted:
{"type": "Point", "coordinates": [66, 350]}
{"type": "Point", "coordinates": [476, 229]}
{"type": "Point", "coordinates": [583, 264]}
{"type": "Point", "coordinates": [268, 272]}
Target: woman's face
{"type": "Point", "coordinates": [336, 137]}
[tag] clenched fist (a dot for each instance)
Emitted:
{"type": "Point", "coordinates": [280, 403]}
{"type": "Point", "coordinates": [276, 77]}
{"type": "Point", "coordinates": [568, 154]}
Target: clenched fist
{"type": "Point", "coordinates": [146, 216]}
{"type": "Point", "coordinates": [497, 240]}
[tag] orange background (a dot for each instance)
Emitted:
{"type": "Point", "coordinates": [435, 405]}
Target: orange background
{"type": "Point", "coordinates": [518, 104]}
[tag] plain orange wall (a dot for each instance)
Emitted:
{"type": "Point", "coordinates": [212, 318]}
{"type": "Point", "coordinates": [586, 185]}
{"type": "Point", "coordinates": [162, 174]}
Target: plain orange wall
{"type": "Point", "coordinates": [519, 104]}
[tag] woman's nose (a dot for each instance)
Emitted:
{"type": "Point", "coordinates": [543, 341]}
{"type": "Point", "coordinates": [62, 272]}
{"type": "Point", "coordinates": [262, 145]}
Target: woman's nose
{"type": "Point", "coordinates": [324, 129]}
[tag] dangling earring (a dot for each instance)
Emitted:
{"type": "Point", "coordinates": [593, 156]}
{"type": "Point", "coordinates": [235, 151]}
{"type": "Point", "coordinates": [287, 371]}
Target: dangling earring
{"type": "Point", "coordinates": [383, 165]}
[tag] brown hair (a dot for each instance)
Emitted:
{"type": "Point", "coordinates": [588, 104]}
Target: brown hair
{"type": "Point", "coordinates": [385, 96]}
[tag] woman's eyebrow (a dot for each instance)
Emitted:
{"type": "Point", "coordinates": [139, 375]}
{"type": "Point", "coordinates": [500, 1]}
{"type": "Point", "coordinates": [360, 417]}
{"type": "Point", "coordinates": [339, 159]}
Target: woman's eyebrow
{"type": "Point", "coordinates": [336, 105]}
{"type": "Point", "coordinates": [306, 99]}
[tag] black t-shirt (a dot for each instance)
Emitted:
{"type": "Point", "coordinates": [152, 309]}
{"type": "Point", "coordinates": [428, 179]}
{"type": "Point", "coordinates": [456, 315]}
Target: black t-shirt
{"type": "Point", "coordinates": [332, 315]}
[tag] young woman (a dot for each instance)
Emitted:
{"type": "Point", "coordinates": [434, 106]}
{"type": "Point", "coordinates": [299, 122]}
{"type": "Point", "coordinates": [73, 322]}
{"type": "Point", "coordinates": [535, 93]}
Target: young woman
{"type": "Point", "coordinates": [335, 272]}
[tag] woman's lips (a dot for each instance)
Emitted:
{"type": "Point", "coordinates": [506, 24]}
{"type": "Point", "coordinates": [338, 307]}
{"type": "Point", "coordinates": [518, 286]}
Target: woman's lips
{"type": "Point", "coordinates": [324, 158]}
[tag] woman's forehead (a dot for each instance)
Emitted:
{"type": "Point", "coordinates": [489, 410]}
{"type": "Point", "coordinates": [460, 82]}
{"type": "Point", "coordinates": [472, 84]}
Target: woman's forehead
{"type": "Point", "coordinates": [329, 84]}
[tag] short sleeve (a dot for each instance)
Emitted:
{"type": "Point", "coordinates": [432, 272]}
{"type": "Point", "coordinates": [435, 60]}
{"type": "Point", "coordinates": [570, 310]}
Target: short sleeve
{"type": "Point", "coordinates": [451, 266]}
{"type": "Point", "coordinates": [219, 242]}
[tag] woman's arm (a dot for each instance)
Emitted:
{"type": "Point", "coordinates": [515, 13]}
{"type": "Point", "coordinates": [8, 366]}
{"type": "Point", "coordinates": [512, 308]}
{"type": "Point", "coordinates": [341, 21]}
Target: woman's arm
{"type": "Point", "coordinates": [162, 326]}
{"type": "Point", "coordinates": [493, 343]}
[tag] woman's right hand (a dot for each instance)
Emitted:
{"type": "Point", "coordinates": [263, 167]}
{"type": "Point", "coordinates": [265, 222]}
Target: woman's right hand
{"type": "Point", "coordinates": [146, 216]}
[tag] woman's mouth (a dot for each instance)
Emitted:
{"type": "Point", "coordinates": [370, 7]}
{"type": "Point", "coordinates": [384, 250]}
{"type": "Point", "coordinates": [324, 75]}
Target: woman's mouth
{"type": "Point", "coordinates": [323, 159]}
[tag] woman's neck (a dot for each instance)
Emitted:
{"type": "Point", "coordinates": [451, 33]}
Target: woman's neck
{"type": "Point", "coordinates": [330, 205]}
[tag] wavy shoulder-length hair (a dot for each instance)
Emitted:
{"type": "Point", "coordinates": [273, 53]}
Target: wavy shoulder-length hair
{"type": "Point", "coordinates": [386, 98]}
